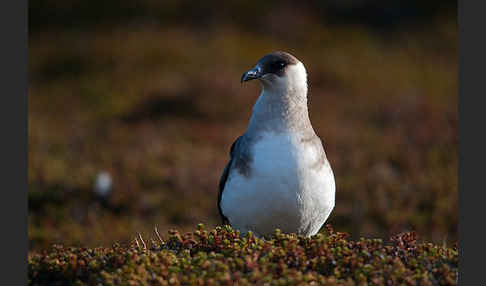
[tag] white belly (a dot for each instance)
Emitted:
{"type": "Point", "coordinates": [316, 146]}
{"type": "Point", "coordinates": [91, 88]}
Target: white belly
{"type": "Point", "coordinates": [284, 189]}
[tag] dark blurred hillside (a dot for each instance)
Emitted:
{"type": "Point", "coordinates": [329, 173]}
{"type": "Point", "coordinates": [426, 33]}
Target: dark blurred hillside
{"type": "Point", "coordinates": [149, 92]}
{"type": "Point", "coordinates": [379, 14]}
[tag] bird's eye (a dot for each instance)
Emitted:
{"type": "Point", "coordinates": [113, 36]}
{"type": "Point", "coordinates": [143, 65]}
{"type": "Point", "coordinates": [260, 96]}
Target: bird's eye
{"type": "Point", "coordinates": [279, 65]}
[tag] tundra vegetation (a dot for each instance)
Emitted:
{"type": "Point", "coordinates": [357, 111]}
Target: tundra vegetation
{"type": "Point", "coordinates": [222, 256]}
{"type": "Point", "coordinates": [150, 94]}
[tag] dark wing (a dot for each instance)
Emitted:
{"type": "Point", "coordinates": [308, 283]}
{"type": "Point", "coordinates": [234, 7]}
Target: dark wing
{"type": "Point", "coordinates": [224, 177]}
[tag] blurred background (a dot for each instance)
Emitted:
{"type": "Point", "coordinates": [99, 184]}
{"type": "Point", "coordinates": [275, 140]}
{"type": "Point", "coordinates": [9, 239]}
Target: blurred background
{"type": "Point", "coordinates": [133, 106]}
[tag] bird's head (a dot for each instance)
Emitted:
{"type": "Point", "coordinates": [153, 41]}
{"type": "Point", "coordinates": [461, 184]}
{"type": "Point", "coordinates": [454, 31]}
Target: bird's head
{"type": "Point", "coordinates": [279, 71]}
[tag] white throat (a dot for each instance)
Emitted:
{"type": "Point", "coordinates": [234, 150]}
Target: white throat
{"type": "Point", "coordinates": [282, 105]}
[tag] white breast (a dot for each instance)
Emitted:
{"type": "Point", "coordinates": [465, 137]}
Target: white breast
{"type": "Point", "coordinates": [283, 190]}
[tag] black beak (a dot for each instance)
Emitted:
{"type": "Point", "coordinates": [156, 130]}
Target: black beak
{"type": "Point", "coordinates": [254, 73]}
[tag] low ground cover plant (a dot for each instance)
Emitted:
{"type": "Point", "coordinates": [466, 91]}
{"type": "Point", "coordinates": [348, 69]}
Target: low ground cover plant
{"type": "Point", "coordinates": [222, 256]}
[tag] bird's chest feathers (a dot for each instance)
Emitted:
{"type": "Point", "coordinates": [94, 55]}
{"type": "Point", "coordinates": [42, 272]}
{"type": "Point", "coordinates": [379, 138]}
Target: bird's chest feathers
{"type": "Point", "coordinates": [283, 188]}
{"type": "Point", "coordinates": [279, 160]}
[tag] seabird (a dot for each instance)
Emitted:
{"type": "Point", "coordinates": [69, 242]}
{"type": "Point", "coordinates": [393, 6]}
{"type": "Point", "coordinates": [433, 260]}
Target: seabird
{"type": "Point", "coordinates": [278, 175]}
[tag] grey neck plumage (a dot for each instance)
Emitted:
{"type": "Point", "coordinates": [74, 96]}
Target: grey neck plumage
{"type": "Point", "coordinates": [280, 111]}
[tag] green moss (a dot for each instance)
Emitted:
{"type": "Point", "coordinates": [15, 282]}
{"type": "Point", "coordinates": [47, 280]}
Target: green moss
{"type": "Point", "coordinates": [222, 256]}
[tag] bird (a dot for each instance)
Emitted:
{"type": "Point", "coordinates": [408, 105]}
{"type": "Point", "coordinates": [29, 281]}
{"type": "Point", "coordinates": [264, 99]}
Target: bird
{"type": "Point", "coordinates": [278, 175]}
